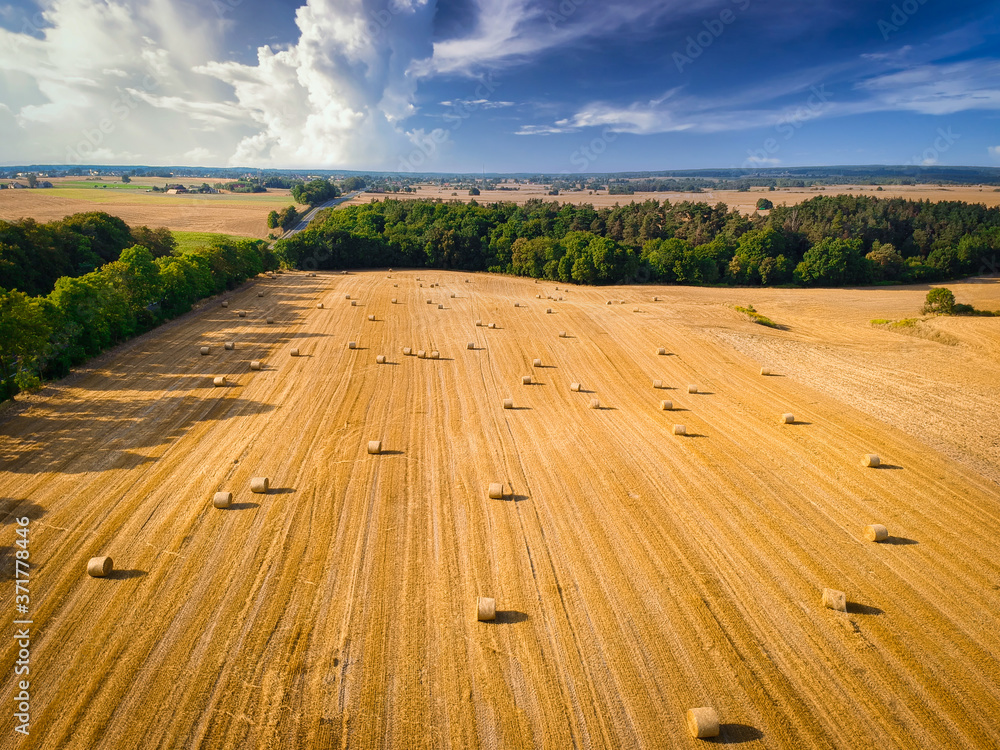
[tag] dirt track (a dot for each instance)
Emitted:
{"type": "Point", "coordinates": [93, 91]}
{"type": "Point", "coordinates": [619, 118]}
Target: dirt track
{"type": "Point", "coordinates": [638, 573]}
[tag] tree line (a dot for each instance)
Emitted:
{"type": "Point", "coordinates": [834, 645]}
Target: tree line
{"type": "Point", "coordinates": [826, 241]}
{"type": "Point", "coordinates": [43, 335]}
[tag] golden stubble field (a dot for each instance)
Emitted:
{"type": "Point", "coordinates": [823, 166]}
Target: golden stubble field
{"type": "Point", "coordinates": [637, 573]}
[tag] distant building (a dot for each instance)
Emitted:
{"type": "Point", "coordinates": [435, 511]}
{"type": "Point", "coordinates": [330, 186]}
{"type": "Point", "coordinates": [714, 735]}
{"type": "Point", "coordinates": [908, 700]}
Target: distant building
{"type": "Point", "coordinates": [18, 186]}
{"type": "Point", "coordinates": [44, 184]}
{"type": "Point", "coordinates": [176, 189]}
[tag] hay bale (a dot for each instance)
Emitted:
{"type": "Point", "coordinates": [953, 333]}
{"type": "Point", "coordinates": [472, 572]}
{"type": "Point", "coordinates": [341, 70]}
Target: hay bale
{"type": "Point", "coordinates": [421, 354]}
{"type": "Point", "coordinates": [636, 309]}
{"type": "Point", "coordinates": [242, 313]}
{"type": "Point", "coordinates": [319, 305]}
{"type": "Point", "coordinates": [536, 363]}
{"type": "Point", "coordinates": [294, 352]}
{"type": "Point", "coordinates": [394, 301]}
{"type": "Point", "coordinates": [661, 351]}
{"type": "Point", "coordinates": [609, 302]}
{"type": "Point", "coordinates": [230, 345]}
{"type": "Point", "coordinates": [352, 344]}
{"type": "Point", "coordinates": [225, 303]}
{"type": "Point", "coordinates": [876, 532]}
{"type": "Point", "coordinates": [453, 295]}
{"type": "Point", "coordinates": [765, 371]}
{"type": "Point", "coordinates": [219, 381]}
{"type": "Point", "coordinates": [526, 380]}
{"type": "Point", "coordinates": [575, 387]}
{"type": "Point", "coordinates": [496, 491]}
{"type": "Point", "coordinates": [407, 351]}
{"type": "Point", "coordinates": [486, 609]}
{"type": "Point", "coordinates": [538, 296]}
{"type": "Point", "coordinates": [270, 321]}
{"type": "Point", "coordinates": [100, 567]}
{"type": "Point", "coordinates": [595, 403]}
{"type": "Point", "coordinates": [657, 384]}
{"type": "Point", "coordinates": [222, 499]}
{"type": "Point", "coordinates": [205, 350]}
{"type": "Point", "coordinates": [548, 310]}
{"type": "Point", "coordinates": [435, 354]}
{"type": "Point", "coordinates": [471, 346]}
{"type": "Point", "coordinates": [666, 405]}
{"type": "Point", "coordinates": [787, 419]}
{"type": "Point", "coordinates": [871, 460]}
{"type": "Point", "coordinates": [562, 334]}
{"type": "Point", "coordinates": [492, 325]}
{"type": "Point", "coordinates": [255, 365]}
{"type": "Point", "coordinates": [703, 722]}
{"type": "Point", "coordinates": [517, 304]}
{"type": "Point", "coordinates": [260, 294]}
{"type": "Point", "coordinates": [508, 403]}
{"type": "Point", "coordinates": [354, 303]}
{"type": "Point", "coordinates": [430, 302]}
{"type": "Point", "coordinates": [656, 299]}
{"type": "Point", "coordinates": [680, 429]}
{"type": "Point", "coordinates": [380, 359]}
{"type": "Point", "coordinates": [836, 600]}
{"type": "Point", "coordinates": [692, 389]}
{"type": "Point", "coordinates": [479, 324]}
{"type": "Point", "coordinates": [395, 286]}
{"type": "Point", "coordinates": [440, 307]}
{"type": "Point", "coordinates": [347, 296]}
{"type": "Point", "coordinates": [371, 318]}
{"type": "Point", "coordinates": [259, 485]}
{"type": "Point", "coordinates": [374, 447]}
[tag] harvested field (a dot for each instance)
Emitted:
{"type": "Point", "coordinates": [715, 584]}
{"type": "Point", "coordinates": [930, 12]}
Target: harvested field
{"type": "Point", "coordinates": [636, 575]}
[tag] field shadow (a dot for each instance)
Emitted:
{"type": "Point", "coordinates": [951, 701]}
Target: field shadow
{"type": "Point", "coordinates": [243, 506]}
{"type": "Point", "coordinates": [703, 393]}
{"type": "Point", "coordinates": [126, 574]}
{"type": "Point", "coordinates": [855, 608]}
{"type": "Point", "coordinates": [735, 734]}
{"type": "Point", "coordinates": [519, 408]}
{"type": "Point", "coordinates": [392, 453]}
{"type": "Point", "coordinates": [889, 467]}
{"type": "Point", "coordinates": [516, 498]}
{"type": "Point", "coordinates": [280, 491]}
{"type": "Point", "coordinates": [11, 509]}
{"type": "Point", "coordinates": [356, 349]}
{"type": "Point", "coordinates": [693, 435]}
{"type": "Point", "coordinates": [901, 541]}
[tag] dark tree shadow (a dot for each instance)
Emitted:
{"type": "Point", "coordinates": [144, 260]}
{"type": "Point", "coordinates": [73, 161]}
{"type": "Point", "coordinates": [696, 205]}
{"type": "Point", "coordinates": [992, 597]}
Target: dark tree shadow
{"type": "Point", "coordinates": [901, 541]}
{"type": "Point", "coordinates": [735, 734]}
{"type": "Point", "coordinates": [855, 608]}
{"type": "Point", "coordinates": [11, 509]}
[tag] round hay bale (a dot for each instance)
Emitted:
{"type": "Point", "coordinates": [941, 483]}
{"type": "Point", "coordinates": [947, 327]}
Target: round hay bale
{"type": "Point", "coordinates": [562, 334]}
{"type": "Point", "coordinates": [479, 324]}
{"type": "Point", "coordinates": [100, 567]}
{"type": "Point", "coordinates": [421, 354]}
{"type": "Point", "coordinates": [575, 387]}
{"type": "Point", "coordinates": [656, 299]}
{"type": "Point", "coordinates": [230, 345]}
{"type": "Point", "coordinates": [703, 722]}
{"type": "Point", "coordinates": [417, 278]}
{"type": "Point", "coordinates": [657, 384]}
{"type": "Point", "coordinates": [876, 532]}
{"type": "Point", "coordinates": [242, 313]}
{"type": "Point", "coordinates": [517, 304]}
{"type": "Point", "coordinates": [319, 305]}
{"type": "Point", "coordinates": [354, 303]}
{"type": "Point", "coordinates": [270, 321]}
{"type": "Point", "coordinates": [205, 350]}
{"type": "Point", "coordinates": [508, 403]}
{"type": "Point", "coordinates": [440, 307]}
{"type": "Point", "coordinates": [680, 429]}
{"type": "Point", "coordinates": [222, 499]}
{"type": "Point", "coordinates": [609, 302]}
{"type": "Point", "coordinates": [347, 296]}
{"type": "Point", "coordinates": [430, 302]}
{"type": "Point", "coordinates": [492, 325]}
{"type": "Point", "coordinates": [692, 389]}
{"type": "Point", "coordinates": [219, 381]}
{"type": "Point", "coordinates": [538, 296]}
{"type": "Point", "coordinates": [352, 344]}
{"type": "Point", "coordinates": [661, 351]}
{"type": "Point", "coordinates": [496, 491]}
{"type": "Point", "coordinates": [407, 351]}
{"type": "Point", "coordinates": [294, 352]}
{"type": "Point", "coordinates": [259, 485]}
{"type": "Point", "coordinates": [225, 303]}
{"type": "Point", "coordinates": [435, 354]}
{"type": "Point", "coordinates": [255, 365]}
{"type": "Point", "coordinates": [374, 447]}
{"type": "Point", "coordinates": [871, 460]}
{"type": "Point", "coordinates": [836, 600]}
{"type": "Point", "coordinates": [260, 294]}
{"type": "Point", "coordinates": [666, 405]}
{"type": "Point", "coordinates": [371, 318]}
{"type": "Point", "coordinates": [526, 380]}
{"type": "Point", "coordinates": [765, 371]}
{"type": "Point", "coordinates": [471, 346]}
{"type": "Point", "coordinates": [787, 419]}
{"type": "Point", "coordinates": [312, 275]}
{"type": "Point", "coordinates": [536, 363]}
{"type": "Point", "coordinates": [394, 301]}
{"type": "Point", "coordinates": [453, 295]}
{"type": "Point", "coordinates": [636, 309]}
{"type": "Point", "coordinates": [595, 403]}
{"type": "Point", "coordinates": [395, 286]}
{"type": "Point", "coordinates": [486, 609]}
{"type": "Point", "coordinates": [548, 310]}
{"type": "Point", "coordinates": [380, 359]}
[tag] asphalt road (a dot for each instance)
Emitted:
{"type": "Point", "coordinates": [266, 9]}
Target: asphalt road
{"type": "Point", "coordinates": [307, 219]}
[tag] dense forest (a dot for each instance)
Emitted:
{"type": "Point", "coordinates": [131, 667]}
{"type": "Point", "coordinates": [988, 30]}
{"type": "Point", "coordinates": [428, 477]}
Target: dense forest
{"type": "Point", "coordinates": [47, 326]}
{"type": "Point", "coordinates": [828, 241]}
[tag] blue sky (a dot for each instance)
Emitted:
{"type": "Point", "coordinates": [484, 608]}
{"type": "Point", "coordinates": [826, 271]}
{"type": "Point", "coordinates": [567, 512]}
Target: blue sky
{"type": "Point", "coordinates": [502, 85]}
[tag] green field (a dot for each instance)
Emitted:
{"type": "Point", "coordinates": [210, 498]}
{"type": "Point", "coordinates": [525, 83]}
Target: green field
{"type": "Point", "coordinates": [190, 241]}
